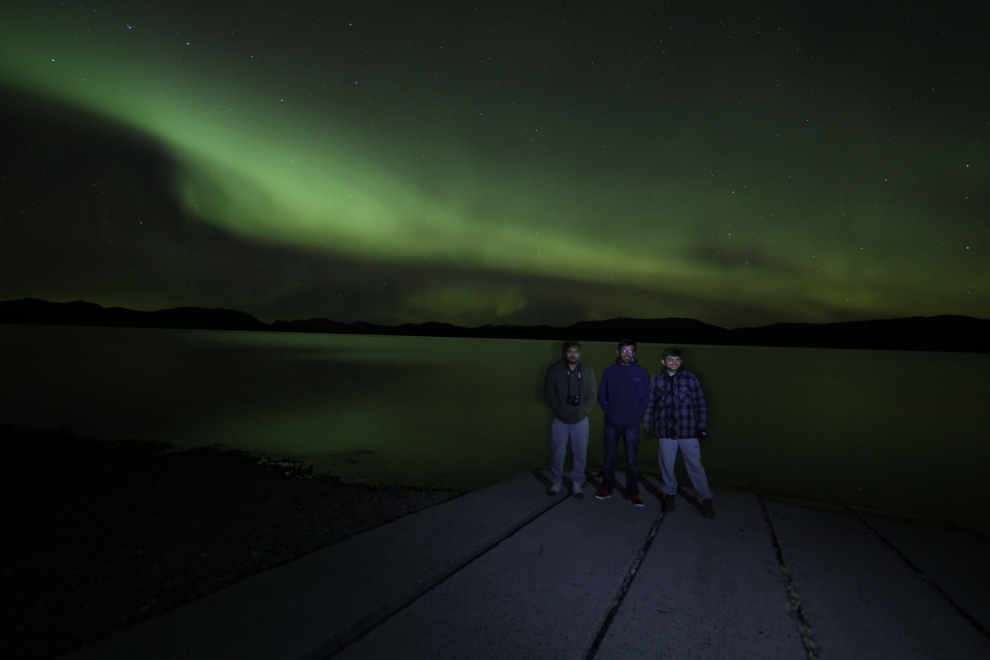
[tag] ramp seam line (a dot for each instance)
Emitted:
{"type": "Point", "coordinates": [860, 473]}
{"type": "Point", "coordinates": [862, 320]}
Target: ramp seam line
{"type": "Point", "coordinates": [446, 576]}
{"type": "Point", "coordinates": [624, 587]}
{"type": "Point", "coordinates": [917, 569]}
{"type": "Point", "coordinates": [804, 628]}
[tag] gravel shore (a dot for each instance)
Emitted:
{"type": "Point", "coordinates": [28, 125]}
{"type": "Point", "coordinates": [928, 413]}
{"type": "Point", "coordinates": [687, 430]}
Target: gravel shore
{"type": "Point", "coordinates": [103, 535]}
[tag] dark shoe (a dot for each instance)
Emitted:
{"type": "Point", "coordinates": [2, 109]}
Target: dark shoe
{"type": "Point", "coordinates": [668, 503]}
{"type": "Point", "coordinates": [635, 499]}
{"type": "Point", "coordinates": [707, 509]}
{"type": "Point", "coordinates": [603, 494]}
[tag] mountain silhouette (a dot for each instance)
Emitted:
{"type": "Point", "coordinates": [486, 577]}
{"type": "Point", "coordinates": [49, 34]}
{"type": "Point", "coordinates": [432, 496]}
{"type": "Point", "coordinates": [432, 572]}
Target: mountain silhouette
{"type": "Point", "coordinates": [919, 333]}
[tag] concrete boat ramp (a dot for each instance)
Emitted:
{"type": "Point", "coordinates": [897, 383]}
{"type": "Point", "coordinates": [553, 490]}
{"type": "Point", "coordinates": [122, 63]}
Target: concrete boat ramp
{"type": "Point", "coordinates": [509, 572]}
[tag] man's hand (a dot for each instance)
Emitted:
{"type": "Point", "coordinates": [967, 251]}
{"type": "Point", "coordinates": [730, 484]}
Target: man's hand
{"type": "Point", "coordinates": [701, 434]}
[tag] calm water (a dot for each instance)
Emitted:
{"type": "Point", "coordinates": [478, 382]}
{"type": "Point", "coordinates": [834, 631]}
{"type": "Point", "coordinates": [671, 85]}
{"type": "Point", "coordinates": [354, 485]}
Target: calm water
{"type": "Point", "coordinates": [902, 432]}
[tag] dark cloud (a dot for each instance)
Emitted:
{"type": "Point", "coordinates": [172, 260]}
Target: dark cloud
{"type": "Point", "coordinates": [90, 212]}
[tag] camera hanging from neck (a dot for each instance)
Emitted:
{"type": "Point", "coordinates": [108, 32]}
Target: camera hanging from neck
{"type": "Point", "coordinates": [574, 400]}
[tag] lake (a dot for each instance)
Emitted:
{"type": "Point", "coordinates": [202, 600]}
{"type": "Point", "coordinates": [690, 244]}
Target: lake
{"type": "Point", "coordinates": [894, 431]}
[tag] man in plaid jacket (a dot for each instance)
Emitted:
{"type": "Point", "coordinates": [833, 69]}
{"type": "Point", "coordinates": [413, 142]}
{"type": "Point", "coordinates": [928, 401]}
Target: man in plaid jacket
{"type": "Point", "coordinates": [678, 416]}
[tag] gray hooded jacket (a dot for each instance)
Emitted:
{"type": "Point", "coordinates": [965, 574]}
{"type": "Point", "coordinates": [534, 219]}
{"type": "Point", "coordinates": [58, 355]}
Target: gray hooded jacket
{"type": "Point", "coordinates": [563, 383]}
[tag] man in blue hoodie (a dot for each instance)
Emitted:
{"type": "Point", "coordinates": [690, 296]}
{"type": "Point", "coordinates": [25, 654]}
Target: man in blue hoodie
{"type": "Point", "coordinates": [624, 396]}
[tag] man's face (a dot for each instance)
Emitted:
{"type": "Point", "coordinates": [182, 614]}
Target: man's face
{"type": "Point", "coordinates": [572, 355]}
{"type": "Point", "coordinates": [626, 354]}
{"type": "Point", "coordinates": [672, 363]}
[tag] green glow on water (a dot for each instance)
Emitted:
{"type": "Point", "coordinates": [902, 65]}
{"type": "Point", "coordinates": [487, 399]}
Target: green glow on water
{"type": "Point", "coordinates": [839, 427]}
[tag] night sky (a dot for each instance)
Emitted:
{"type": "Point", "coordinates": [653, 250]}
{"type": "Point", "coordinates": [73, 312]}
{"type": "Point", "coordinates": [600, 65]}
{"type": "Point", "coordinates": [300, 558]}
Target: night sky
{"type": "Point", "coordinates": [741, 163]}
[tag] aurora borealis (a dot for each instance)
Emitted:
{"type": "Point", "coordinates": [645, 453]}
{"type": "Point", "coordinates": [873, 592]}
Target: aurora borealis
{"type": "Point", "coordinates": [546, 162]}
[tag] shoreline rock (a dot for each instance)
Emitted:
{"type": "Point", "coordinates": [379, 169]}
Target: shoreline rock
{"type": "Point", "coordinates": [105, 534]}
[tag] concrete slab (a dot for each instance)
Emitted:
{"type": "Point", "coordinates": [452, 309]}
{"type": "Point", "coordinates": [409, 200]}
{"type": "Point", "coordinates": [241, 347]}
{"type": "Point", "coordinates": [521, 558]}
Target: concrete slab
{"type": "Point", "coordinates": [309, 607]}
{"type": "Point", "coordinates": [707, 589]}
{"type": "Point", "coordinates": [542, 593]}
{"type": "Point", "coordinates": [860, 599]}
{"type": "Point", "coordinates": [509, 571]}
{"type": "Point", "coordinates": [955, 560]}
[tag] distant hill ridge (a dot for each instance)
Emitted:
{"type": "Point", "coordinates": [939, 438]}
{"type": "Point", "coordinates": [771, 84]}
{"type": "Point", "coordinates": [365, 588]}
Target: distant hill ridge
{"type": "Point", "coordinates": [919, 333]}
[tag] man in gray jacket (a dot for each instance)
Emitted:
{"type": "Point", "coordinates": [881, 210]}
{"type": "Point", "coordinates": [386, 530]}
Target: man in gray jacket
{"type": "Point", "coordinates": [570, 393]}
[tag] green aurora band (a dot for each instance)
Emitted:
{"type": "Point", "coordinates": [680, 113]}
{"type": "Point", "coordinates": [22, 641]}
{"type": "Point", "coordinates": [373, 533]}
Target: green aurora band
{"type": "Point", "coordinates": [822, 213]}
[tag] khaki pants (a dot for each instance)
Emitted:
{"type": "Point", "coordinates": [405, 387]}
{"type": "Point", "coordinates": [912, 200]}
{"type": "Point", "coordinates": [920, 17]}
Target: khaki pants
{"type": "Point", "coordinates": [559, 434]}
{"type": "Point", "coordinates": [691, 451]}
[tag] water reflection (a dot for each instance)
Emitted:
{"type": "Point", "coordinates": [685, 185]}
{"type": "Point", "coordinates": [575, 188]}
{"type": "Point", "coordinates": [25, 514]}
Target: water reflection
{"type": "Point", "coordinates": [889, 430]}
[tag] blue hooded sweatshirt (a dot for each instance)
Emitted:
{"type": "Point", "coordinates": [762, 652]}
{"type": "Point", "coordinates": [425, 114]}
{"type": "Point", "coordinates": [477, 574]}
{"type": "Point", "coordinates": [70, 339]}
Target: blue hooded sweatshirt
{"type": "Point", "coordinates": [624, 394]}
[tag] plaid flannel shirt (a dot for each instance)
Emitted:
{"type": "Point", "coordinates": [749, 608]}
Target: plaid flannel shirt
{"type": "Point", "coordinates": [677, 405]}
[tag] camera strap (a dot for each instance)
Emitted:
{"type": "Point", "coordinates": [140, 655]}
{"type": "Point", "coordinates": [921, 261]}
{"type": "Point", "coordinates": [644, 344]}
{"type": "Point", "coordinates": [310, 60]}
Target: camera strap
{"type": "Point", "coordinates": [578, 370]}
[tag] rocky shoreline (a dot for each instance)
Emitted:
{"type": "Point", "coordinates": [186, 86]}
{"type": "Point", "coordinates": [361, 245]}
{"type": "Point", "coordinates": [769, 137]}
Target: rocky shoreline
{"type": "Point", "coordinates": [102, 535]}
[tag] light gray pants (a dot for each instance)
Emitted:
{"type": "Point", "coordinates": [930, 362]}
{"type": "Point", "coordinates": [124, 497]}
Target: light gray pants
{"type": "Point", "coordinates": [691, 451]}
{"type": "Point", "coordinates": [578, 433]}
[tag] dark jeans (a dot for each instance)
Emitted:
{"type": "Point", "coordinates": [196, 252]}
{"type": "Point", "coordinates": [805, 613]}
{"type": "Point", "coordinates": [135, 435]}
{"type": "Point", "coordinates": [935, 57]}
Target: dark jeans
{"type": "Point", "coordinates": [631, 437]}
